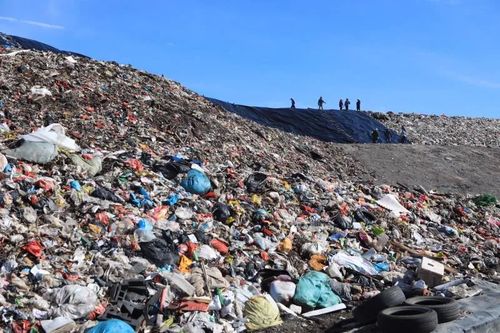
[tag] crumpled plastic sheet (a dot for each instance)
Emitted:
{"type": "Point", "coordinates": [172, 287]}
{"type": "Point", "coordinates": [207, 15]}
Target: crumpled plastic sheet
{"type": "Point", "coordinates": [72, 301]}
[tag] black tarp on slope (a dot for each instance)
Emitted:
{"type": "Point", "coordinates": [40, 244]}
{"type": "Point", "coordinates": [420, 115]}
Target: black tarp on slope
{"type": "Point", "coordinates": [9, 41]}
{"type": "Point", "coordinates": [328, 125]}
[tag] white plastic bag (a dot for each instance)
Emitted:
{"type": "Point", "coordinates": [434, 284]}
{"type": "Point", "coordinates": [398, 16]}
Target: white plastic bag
{"type": "Point", "coordinates": [333, 271]}
{"type": "Point", "coordinates": [73, 301]}
{"type": "Point", "coordinates": [55, 134]}
{"type": "Point", "coordinates": [3, 162]}
{"type": "Point", "coordinates": [390, 202]}
{"type": "Point", "coordinates": [38, 152]}
{"type": "Point", "coordinates": [207, 252]}
{"type": "Point", "coordinates": [282, 291]}
{"type": "Point", "coordinates": [356, 263]}
{"type": "Point", "coordinates": [42, 91]}
{"type": "Point", "coordinates": [178, 282]}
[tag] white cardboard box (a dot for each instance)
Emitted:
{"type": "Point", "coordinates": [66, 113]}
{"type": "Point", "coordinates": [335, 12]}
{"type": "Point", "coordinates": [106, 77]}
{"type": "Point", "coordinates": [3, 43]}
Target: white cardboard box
{"type": "Point", "coordinates": [431, 272]}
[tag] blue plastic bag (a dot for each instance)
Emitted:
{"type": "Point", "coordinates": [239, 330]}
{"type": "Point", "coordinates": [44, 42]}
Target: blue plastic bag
{"type": "Point", "coordinates": [172, 199]}
{"type": "Point", "coordinates": [75, 185]}
{"type": "Point", "coordinates": [382, 266]}
{"type": "Point", "coordinates": [196, 182]}
{"type": "Point", "coordinates": [314, 291]}
{"type": "Point", "coordinates": [111, 326]}
{"type": "Point", "coordinates": [8, 168]}
{"type": "Point", "coordinates": [144, 225]}
{"type": "Point", "coordinates": [144, 202]}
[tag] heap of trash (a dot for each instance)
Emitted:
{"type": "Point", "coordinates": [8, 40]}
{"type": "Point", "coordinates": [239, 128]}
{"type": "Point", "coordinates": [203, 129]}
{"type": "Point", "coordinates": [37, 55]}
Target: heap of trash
{"type": "Point", "coordinates": [444, 130]}
{"type": "Point", "coordinates": [130, 204]}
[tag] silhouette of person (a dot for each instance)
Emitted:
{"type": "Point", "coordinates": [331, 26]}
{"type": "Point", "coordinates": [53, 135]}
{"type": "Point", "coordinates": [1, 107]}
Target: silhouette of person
{"type": "Point", "coordinates": [403, 138]}
{"type": "Point", "coordinates": [346, 104]}
{"type": "Point", "coordinates": [374, 136]}
{"type": "Point", "coordinates": [293, 103]}
{"type": "Point", "coordinates": [320, 103]}
{"type": "Point", "coordinates": [358, 105]}
{"type": "Point", "coordinates": [341, 104]}
{"type": "Point", "coordinates": [388, 135]}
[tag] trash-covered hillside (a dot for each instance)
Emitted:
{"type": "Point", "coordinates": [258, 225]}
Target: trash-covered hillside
{"type": "Point", "coordinates": [111, 107]}
{"type": "Point", "coordinates": [131, 204]}
{"type": "Point", "coordinates": [444, 130]}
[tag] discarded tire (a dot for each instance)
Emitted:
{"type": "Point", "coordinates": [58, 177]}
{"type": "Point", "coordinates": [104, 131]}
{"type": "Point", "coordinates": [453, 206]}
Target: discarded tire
{"type": "Point", "coordinates": [407, 319]}
{"type": "Point", "coordinates": [367, 312]}
{"type": "Point", "coordinates": [446, 308]}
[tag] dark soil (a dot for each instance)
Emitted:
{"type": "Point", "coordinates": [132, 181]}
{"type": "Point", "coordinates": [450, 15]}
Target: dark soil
{"type": "Point", "coordinates": [446, 169]}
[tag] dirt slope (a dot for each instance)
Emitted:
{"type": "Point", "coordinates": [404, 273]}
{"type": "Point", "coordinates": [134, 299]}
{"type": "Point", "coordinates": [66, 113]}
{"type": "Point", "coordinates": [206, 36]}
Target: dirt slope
{"type": "Point", "coordinates": [456, 169]}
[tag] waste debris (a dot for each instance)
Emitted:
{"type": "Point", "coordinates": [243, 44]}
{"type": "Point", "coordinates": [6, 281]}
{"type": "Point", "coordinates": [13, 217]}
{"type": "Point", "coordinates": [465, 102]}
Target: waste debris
{"type": "Point", "coordinates": [149, 209]}
{"type": "Point", "coordinates": [444, 130]}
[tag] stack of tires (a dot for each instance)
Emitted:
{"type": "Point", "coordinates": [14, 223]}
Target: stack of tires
{"type": "Point", "coordinates": [394, 313]}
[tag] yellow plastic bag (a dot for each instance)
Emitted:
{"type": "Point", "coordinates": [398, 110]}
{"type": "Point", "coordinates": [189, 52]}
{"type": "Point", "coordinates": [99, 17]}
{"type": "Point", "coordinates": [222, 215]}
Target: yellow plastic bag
{"type": "Point", "coordinates": [261, 312]}
{"type": "Point", "coordinates": [285, 245]}
{"type": "Point", "coordinates": [184, 264]}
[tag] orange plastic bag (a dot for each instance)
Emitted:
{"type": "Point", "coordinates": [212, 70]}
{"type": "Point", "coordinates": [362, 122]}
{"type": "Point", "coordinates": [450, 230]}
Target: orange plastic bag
{"type": "Point", "coordinates": [285, 245]}
{"type": "Point", "coordinates": [317, 262]}
{"type": "Point", "coordinates": [219, 246]}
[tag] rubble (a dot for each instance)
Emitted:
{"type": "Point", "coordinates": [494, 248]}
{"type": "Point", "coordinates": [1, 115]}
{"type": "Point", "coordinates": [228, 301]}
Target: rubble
{"type": "Point", "coordinates": [444, 130]}
{"type": "Point", "coordinates": [163, 212]}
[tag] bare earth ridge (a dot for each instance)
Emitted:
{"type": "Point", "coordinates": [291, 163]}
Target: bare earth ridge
{"type": "Point", "coordinates": [454, 169]}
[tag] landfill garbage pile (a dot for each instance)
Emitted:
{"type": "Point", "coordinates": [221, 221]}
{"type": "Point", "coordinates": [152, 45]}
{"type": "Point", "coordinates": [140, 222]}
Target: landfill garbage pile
{"type": "Point", "coordinates": [444, 130]}
{"type": "Point", "coordinates": [112, 107]}
{"type": "Point", "coordinates": [130, 204]}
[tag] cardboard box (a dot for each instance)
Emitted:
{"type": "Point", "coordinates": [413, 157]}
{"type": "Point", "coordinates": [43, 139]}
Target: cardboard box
{"type": "Point", "coordinates": [431, 272]}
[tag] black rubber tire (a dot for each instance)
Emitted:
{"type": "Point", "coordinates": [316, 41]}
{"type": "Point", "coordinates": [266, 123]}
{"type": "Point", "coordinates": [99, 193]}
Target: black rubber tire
{"type": "Point", "coordinates": [407, 319]}
{"type": "Point", "coordinates": [446, 308]}
{"type": "Point", "coordinates": [367, 312]}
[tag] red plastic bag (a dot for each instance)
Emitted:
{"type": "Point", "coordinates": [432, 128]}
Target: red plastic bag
{"type": "Point", "coordinates": [219, 246]}
{"type": "Point", "coordinates": [135, 164]}
{"type": "Point", "coordinates": [193, 306]}
{"type": "Point", "coordinates": [102, 217]}
{"type": "Point", "coordinates": [34, 248]}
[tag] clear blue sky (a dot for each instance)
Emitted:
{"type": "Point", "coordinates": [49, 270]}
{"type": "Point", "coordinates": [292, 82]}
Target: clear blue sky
{"type": "Point", "coordinates": [424, 56]}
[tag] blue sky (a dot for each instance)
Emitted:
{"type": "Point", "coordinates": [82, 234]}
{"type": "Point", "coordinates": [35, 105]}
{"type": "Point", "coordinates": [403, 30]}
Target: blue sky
{"type": "Point", "coordinates": [424, 56]}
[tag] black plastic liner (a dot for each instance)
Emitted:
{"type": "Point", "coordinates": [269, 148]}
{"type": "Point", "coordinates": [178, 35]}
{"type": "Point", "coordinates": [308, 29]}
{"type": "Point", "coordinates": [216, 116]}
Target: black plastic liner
{"type": "Point", "coordinates": [9, 41]}
{"type": "Point", "coordinates": [328, 125]}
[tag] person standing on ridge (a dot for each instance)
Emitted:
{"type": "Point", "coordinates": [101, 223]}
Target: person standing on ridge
{"type": "Point", "coordinates": [358, 105]}
{"type": "Point", "coordinates": [375, 135]}
{"type": "Point", "coordinates": [320, 103]}
{"type": "Point", "coordinates": [341, 104]}
{"type": "Point", "coordinates": [293, 103]}
{"type": "Point", "coordinates": [388, 135]}
{"type": "Point", "coordinates": [403, 135]}
{"type": "Point", "coordinates": [346, 103]}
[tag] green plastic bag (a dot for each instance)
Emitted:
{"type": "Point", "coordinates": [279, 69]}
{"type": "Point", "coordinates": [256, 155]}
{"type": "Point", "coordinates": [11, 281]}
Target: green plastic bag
{"type": "Point", "coordinates": [485, 200]}
{"type": "Point", "coordinates": [314, 291]}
